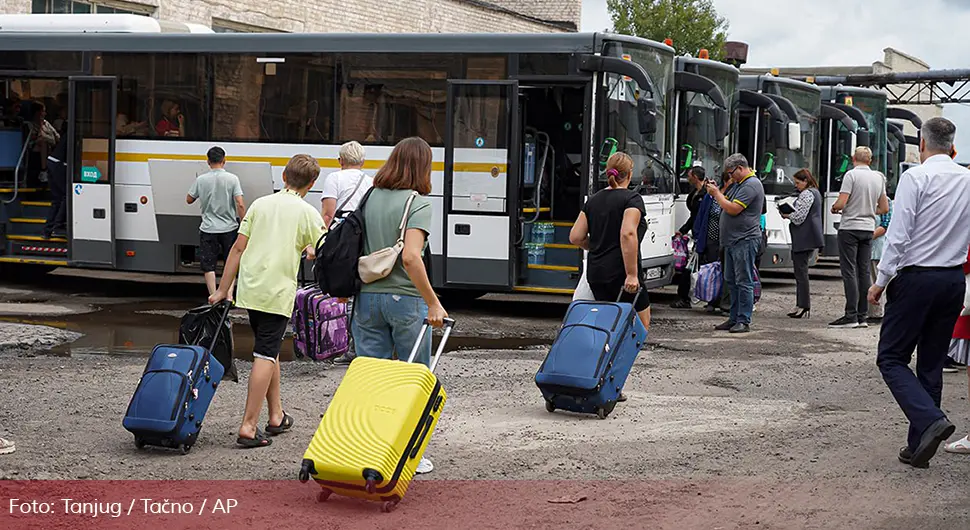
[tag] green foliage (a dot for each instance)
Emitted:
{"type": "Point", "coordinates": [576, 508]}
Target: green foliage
{"type": "Point", "coordinates": [692, 24]}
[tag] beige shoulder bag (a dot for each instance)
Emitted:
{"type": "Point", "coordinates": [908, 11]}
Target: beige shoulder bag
{"type": "Point", "coordinates": [379, 264]}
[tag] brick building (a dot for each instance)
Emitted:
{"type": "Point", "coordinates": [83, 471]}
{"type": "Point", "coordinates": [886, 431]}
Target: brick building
{"type": "Point", "coordinates": [400, 16]}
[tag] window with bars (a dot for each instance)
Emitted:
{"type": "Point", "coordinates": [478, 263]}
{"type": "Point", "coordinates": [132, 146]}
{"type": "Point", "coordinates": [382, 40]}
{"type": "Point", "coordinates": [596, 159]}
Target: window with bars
{"type": "Point", "coordinates": [100, 7]}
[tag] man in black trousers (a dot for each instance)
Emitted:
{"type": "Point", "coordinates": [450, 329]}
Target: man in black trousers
{"type": "Point", "coordinates": [921, 272]}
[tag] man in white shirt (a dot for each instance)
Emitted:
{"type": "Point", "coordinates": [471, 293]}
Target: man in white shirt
{"type": "Point", "coordinates": [921, 272]}
{"type": "Point", "coordinates": [343, 190]}
{"type": "Point", "coordinates": [342, 193]}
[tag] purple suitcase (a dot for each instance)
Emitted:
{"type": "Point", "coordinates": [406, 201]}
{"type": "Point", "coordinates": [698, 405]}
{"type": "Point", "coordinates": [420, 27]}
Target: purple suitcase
{"type": "Point", "coordinates": [319, 325]}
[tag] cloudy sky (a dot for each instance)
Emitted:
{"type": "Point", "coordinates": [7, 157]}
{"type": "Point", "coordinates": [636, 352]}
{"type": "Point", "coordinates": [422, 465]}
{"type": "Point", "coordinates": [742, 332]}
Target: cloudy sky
{"type": "Point", "coordinates": [843, 32]}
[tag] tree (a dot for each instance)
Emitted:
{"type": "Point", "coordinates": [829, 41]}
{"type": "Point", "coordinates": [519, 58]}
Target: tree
{"type": "Point", "coordinates": [692, 24]}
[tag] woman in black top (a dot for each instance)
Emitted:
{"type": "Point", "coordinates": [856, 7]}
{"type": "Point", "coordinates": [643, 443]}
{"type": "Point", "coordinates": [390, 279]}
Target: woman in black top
{"type": "Point", "coordinates": [611, 227]}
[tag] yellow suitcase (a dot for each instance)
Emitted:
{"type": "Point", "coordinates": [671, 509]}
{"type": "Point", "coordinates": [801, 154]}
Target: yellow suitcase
{"type": "Point", "coordinates": [376, 428]}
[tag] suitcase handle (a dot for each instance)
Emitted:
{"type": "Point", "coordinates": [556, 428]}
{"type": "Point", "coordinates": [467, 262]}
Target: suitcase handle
{"type": "Point", "coordinates": [227, 306]}
{"type": "Point", "coordinates": [635, 297]}
{"type": "Point", "coordinates": [449, 325]}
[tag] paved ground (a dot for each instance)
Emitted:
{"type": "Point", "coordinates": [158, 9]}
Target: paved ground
{"type": "Point", "coordinates": [790, 426]}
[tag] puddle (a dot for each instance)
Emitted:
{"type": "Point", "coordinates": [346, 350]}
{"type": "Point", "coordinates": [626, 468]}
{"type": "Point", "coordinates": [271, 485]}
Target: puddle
{"type": "Point", "coordinates": [134, 329]}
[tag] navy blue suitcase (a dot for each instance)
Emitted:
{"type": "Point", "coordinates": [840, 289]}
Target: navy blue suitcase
{"type": "Point", "coordinates": [591, 357]}
{"type": "Point", "coordinates": [174, 393]}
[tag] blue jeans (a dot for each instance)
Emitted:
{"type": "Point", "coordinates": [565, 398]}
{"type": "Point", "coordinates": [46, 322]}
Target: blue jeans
{"type": "Point", "coordinates": [385, 324]}
{"type": "Point", "coordinates": [738, 277]}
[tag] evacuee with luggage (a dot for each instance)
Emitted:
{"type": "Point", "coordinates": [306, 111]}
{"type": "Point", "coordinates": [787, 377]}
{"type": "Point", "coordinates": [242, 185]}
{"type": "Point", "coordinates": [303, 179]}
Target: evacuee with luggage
{"type": "Point", "coordinates": [396, 293]}
{"type": "Point", "coordinates": [266, 257]}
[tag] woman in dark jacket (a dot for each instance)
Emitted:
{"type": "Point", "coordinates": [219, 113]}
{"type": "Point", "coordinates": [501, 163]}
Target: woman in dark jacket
{"type": "Point", "coordinates": [696, 177]}
{"type": "Point", "coordinates": [806, 237]}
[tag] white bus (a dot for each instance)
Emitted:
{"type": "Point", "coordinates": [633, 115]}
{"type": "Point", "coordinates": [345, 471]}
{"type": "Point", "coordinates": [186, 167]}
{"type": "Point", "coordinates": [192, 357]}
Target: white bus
{"type": "Point", "coordinates": [518, 125]}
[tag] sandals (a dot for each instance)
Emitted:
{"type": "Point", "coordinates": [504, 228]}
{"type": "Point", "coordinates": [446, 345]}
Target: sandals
{"type": "Point", "coordinates": [284, 426]}
{"type": "Point", "coordinates": [960, 447]}
{"type": "Point", "coordinates": [261, 440]}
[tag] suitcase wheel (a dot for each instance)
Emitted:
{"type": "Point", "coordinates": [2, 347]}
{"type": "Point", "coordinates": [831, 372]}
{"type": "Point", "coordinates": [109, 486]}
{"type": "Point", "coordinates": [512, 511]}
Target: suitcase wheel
{"type": "Point", "coordinates": [550, 407]}
{"type": "Point", "coordinates": [388, 506]}
{"type": "Point", "coordinates": [324, 495]}
{"type": "Point", "coordinates": [605, 410]}
{"type": "Point", "coordinates": [185, 448]}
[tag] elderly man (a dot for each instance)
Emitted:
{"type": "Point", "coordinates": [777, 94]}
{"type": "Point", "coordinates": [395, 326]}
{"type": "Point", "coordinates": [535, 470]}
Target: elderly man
{"type": "Point", "coordinates": [862, 199]}
{"type": "Point", "coordinates": [921, 267]}
{"type": "Point", "coordinates": [740, 236]}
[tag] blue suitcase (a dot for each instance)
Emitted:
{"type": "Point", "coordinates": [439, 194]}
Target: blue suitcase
{"type": "Point", "coordinates": [174, 393]}
{"type": "Point", "coordinates": [591, 357]}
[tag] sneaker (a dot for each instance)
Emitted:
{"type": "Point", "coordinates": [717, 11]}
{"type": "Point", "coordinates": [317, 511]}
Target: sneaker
{"type": "Point", "coordinates": [680, 304]}
{"type": "Point", "coordinates": [874, 320]}
{"type": "Point", "coordinates": [862, 323]}
{"type": "Point", "coordinates": [343, 360]}
{"type": "Point", "coordinates": [6, 446]}
{"type": "Point", "coordinates": [845, 323]}
{"type": "Point", "coordinates": [424, 466]}
{"type": "Point", "coordinates": [713, 309]}
{"type": "Point", "coordinates": [740, 328]}
{"type": "Point", "coordinates": [950, 367]}
{"type": "Point", "coordinates": [725, 326]}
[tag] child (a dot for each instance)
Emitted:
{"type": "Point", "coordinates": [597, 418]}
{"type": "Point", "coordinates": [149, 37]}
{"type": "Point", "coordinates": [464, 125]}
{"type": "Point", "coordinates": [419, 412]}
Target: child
{"type": "Point", "coordinates": [266, 257]}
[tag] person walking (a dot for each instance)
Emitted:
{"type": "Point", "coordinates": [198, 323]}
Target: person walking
{"type": "Point", "coordinates": [221, 198]}
{"type": "Point", "coordinates": [741, 238]}
{"type": "Point", "coordinates": [696, 177]}
{"type": "Point", "coordinates": [611, 226]}
{"type": "Point", "coordinates": [806, 237]}
{"type": "Point", "coordinates": [266, 256]}
{"type": "Point", "coordinates": [878, 243]}
{"type": "Point", "coordinates": [921, 271]}
{"type": "Point", "coordinates": [343, 190]}
{"type": "Point", "coordinates": [861, 199]}
{"type": "Point", "coordinates": [960, 353]}
{"type": "Point", "coordinates": [391, 311]}
{"type": "Point", "coordinates": [342, 193]}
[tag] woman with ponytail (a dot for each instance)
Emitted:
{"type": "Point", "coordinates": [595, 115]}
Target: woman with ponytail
{"type": "Point", "coordinates": [611, 226]}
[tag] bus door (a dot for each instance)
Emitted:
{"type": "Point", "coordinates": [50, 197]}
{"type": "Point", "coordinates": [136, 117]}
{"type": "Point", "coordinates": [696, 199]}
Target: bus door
{"type": "Point", "coordinates": [480, 174]}
{"type": "Point", "coordinates": [91, 165]}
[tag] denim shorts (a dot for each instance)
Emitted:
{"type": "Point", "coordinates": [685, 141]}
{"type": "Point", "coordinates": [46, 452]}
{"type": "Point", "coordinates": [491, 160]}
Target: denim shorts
{"type": "Point", "coordinates": [386, 326]}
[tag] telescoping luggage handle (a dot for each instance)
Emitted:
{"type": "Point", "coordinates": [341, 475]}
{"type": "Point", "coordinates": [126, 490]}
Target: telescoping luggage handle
{"type": "Point", "coordinates": [449, 325]}
{"type": "Point", "coordinates": [635, 297]}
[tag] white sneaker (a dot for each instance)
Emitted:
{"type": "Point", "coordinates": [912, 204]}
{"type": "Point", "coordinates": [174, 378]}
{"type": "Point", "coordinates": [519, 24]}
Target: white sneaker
{"type": "Point", "coordinates": [424, 466]}
{"type": "Point", "coordinates": [6, 447]}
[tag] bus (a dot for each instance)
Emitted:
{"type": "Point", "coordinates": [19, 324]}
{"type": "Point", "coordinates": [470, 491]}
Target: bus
{"type": "Point", "coordinates": [520, 126]}
{"type": "Point", "coordinates": [706, 106]}
{"type": "Point", "coordinates": [867, 109]}
{"type": "Point", "coordinates": [778, 132]}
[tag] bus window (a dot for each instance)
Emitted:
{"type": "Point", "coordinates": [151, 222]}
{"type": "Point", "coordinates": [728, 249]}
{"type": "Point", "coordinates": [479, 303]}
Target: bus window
{"type": "Point", "coordinates": [486, 68]}
{"type": "Point", "coordinates": [285, 99]}
{"type": "Point", "coordinates": [384, 99]}
{"type": "Point", "coordinates": [159, 96]}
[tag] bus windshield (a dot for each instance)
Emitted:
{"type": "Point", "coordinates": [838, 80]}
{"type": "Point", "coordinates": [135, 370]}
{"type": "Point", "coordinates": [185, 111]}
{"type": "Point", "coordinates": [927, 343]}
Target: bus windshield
{"type": "Point", "coordinates": [875, 110]}
{"type": "Point", "coordinates": [786, 163]}
{"type": "Point", "coordinates": [701, 133]}
{"type": "Point", "coordinates": [620, 125]}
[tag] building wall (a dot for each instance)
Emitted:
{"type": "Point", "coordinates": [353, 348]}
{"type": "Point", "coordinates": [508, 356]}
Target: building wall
{"type": "Point", "coordinates": [401, 16]}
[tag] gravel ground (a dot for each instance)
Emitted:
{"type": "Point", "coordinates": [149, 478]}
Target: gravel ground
{"type": "Point", "coordinates": [790, 426]}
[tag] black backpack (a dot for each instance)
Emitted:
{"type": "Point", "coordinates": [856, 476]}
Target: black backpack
{"type": "Point", "coordinates": [338, 252]}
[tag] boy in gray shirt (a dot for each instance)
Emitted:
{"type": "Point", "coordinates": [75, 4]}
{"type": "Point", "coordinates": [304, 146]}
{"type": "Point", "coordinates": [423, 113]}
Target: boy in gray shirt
{"type": "Point", "coordinates": [221, 196]}
{"type": "Point", "coordinates": [861, 200]}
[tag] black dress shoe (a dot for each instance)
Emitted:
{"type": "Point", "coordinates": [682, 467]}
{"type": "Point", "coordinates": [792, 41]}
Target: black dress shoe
{"type": "Point", "coordinates": [740, 328]}
{"type": "Point", "coordinates": [906, 457]}
{"type": "Point", "coordinates": [930, 441]}
{"type": "Point", "coordinates": [725, 326]}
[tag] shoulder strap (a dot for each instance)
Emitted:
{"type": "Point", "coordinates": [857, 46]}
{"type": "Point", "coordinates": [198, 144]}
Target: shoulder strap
{"type": "Point", "coordinates": [404, 218]}
{"type": "Point", "coordinates": [351, 196]}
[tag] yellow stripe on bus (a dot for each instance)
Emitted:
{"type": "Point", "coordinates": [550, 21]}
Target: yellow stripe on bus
{"type": "Point", "coordinates": [58, 263]}
{"type": "Point", "coordinates": [561, 268]}
{"type": "Point", "coordinates": [542, 290]}
{"type": "Point", "coordinates": [460, 167]}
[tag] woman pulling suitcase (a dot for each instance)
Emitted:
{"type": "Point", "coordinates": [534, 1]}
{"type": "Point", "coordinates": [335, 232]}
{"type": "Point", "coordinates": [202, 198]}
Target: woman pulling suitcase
{"type": "Point", "coordinates": [611, 226]}
{"type": "Point", "coordinates": [390, 311]}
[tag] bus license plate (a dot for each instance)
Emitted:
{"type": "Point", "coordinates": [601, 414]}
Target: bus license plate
{"type": "Point", "coordinates": [655, 273]}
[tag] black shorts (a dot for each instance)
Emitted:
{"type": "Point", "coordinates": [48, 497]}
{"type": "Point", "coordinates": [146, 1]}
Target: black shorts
{"type": "Point", "coordinates": [268, 332]}
{"type": "Point", "coordinates": [214, 247]}
{"type": "Point", "coordinates": [607, 292]}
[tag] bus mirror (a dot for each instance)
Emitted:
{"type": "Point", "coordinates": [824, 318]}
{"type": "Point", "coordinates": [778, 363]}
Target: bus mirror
{"type": "Point", "coordinates": [794, 136]}
{"type": "Point", "coordinates": [767, 164]}
{"type": "Point", "coordinates": [863, 138]}
{"type": "Point", "coordinates": [607, 150]}
{"type": "Point", "coordinates": [647, 115]}
{"type": "Point", "coordinates": [686, 156]}
{"type": "Point", "coordinates": [722, 125]}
